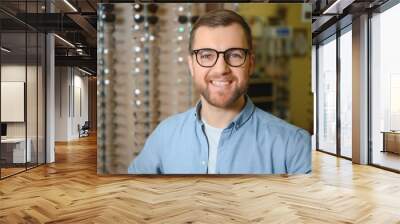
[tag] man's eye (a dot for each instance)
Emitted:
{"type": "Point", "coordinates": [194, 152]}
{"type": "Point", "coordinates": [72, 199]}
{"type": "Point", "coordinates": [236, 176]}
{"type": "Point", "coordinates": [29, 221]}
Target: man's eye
{"type": "Point", "coordinates": [206, 56]}
{"type": "Point", "coordinates": [236, 55]}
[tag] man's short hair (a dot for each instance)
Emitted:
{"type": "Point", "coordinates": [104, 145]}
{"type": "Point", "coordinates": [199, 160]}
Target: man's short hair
{"type": "Point", "coordinates": [221, 17]}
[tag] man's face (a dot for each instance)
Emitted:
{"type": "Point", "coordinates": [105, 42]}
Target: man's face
{"type": "Point", "coordinates": [221, 85]}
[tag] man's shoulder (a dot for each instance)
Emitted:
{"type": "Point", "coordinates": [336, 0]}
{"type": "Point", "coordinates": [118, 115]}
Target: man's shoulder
{"type": "Point", "coordinates": [275, 124]}
{"type": "Point", "coordinates": [177, 120]}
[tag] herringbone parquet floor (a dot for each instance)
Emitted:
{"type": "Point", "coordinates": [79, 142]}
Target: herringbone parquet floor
{"type": "Point", "coordinates": [69, 191]}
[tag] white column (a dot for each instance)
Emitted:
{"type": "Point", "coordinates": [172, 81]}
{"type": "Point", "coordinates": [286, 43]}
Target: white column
{"type": "Point", "coordinates": [360, 90]}
{"type": "Point", "coordinates": [50, 108]}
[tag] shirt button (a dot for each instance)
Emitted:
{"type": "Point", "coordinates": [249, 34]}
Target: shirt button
{"type": "Point", "coordinates": [203, 162]}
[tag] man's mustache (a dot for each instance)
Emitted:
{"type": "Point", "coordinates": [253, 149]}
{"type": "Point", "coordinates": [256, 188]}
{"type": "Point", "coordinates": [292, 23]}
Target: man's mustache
{"type": "Point", "coordinates": [220, 78]}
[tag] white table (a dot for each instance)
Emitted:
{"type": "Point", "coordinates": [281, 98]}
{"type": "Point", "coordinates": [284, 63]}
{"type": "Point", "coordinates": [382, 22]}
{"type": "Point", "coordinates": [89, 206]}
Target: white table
{"type": "Point", "coordinates": [18, 145]}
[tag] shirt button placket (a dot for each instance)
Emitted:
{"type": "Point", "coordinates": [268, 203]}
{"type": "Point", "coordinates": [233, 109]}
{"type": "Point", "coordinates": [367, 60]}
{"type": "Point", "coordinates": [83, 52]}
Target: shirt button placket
{"type": "Point", "coordinates": [204, 166]}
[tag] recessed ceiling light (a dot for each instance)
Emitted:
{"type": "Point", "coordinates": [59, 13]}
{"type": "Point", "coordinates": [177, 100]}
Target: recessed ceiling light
{"type": "Point", "coordinates": [337, 7]}
{"type": "Point", "coordinates": [64, 40]}
{"type": "Point", "coordinates": [70, 5]}
{"type": "Point", "coordinates": [84, 71]}
{"type": "Point", "coordinates": [5, 49]}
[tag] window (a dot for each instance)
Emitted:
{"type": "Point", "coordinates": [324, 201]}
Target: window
{"type": "Point", "coordinates": [346, 92]}
{"type": "Point", "coordinates": [327, 95]}
{"type": "Point", "coordinates": [22, 77]}
{"type": "Point", "coordinates": [385, 89]}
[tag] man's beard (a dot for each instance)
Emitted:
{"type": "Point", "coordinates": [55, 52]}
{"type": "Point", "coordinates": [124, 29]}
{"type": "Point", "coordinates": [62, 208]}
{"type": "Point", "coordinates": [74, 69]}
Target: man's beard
{"type": "Point", "coordinates": [215, 101]}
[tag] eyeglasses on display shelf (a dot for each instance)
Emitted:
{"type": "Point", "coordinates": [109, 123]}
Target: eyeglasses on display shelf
{"type": "Point", "coordinates": [122, 83]}
{"type": "Point", "coordinates": [145, 53]}
{"type": "Point", "coordinates": [144, 76]}
{"type": "Point", "coordinates": [105, 43]}
{"type": "Point", "coordinates": [173, 85]}
{"type": "Point", "coordinates": [142, 128]}
{"type": "Point", "coordinates": [179, 83]}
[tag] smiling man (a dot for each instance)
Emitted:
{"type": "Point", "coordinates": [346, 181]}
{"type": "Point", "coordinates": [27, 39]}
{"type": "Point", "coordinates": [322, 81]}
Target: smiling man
{"type": "Point", "coordinates": [225, 133]}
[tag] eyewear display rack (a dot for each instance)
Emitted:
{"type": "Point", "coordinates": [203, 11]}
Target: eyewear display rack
{"type": "Point", "coordinates": [143, 75]}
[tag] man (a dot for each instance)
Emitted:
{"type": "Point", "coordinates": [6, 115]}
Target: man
{"type": "Point", "coordinates": [225, 133]}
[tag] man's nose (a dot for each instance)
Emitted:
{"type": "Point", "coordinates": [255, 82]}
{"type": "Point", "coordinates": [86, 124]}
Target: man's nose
{"type": "Point", "coordinates": [221, 66]}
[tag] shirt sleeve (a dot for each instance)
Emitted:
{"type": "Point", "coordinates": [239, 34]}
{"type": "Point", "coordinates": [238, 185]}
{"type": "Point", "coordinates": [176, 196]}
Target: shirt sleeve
{"type": "Point", "coordinates": [149, 159]}
{"type": "Point", "coordinates": [298, 156]}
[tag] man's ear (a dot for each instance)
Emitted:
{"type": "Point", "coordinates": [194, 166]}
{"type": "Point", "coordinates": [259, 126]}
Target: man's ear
{"type": "Point", "coordinates": [190, 64]}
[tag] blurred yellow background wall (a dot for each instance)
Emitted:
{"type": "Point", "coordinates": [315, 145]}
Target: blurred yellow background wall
{"type": "Point", "coordinates": [293, 17]}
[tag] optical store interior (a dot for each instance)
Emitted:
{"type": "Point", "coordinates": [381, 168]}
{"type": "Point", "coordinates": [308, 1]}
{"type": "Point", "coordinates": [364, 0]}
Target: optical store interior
{"type": "Point", "coordinates": [85, 82]}
{"type": "Point", "coordinates": [281, 83]}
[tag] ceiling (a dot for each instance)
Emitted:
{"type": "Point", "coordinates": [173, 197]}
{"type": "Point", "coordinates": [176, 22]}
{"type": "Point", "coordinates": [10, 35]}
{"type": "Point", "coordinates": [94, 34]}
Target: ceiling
{"type": "Point", "coordinates": [76, 25]}
{"type": "Point", "coordinates": [330, 15]}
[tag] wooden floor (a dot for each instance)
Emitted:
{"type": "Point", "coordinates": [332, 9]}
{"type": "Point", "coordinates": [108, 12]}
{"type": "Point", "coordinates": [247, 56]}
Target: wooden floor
{"type": "Point", "coordinates": [70, 191]}
{"type": "Point", "coordinates": [10, 171]}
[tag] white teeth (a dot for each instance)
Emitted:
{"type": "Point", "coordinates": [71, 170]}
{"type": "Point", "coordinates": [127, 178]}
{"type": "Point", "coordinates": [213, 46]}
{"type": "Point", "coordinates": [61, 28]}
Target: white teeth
{"type": "Point", "coordinates": [220, 83]}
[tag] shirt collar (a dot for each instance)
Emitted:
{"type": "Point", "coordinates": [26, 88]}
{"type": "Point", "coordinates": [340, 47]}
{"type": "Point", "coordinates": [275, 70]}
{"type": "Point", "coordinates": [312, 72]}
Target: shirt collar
{"type": "Point", "coordinates": [239, 120]}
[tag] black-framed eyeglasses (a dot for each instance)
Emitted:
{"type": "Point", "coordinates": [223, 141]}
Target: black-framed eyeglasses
{"type": "Point", "coordinates": [207, 57]}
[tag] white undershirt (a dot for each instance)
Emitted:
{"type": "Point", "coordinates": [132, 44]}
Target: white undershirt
{"type": "Point", "coordinates": [213, 135]}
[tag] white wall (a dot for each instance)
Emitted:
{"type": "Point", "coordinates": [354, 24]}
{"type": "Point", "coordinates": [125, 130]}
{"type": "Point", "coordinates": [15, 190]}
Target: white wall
{"type": "Point", "coordinates": [71, 87]}
{"type": "Point", "coordinates": [80, 101]}
{"type": "Point", "coordinates": [16, 73]}
{"type": "Point", "coordinates": [61, 103]}
{"type": "Point", "coordinates": [33, 126]}
{"type": "Point", "coordinates": [12, 101]}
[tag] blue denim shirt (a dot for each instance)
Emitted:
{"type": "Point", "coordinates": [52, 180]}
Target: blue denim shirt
{"type": "Point", "coordinates": [255, 142]}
